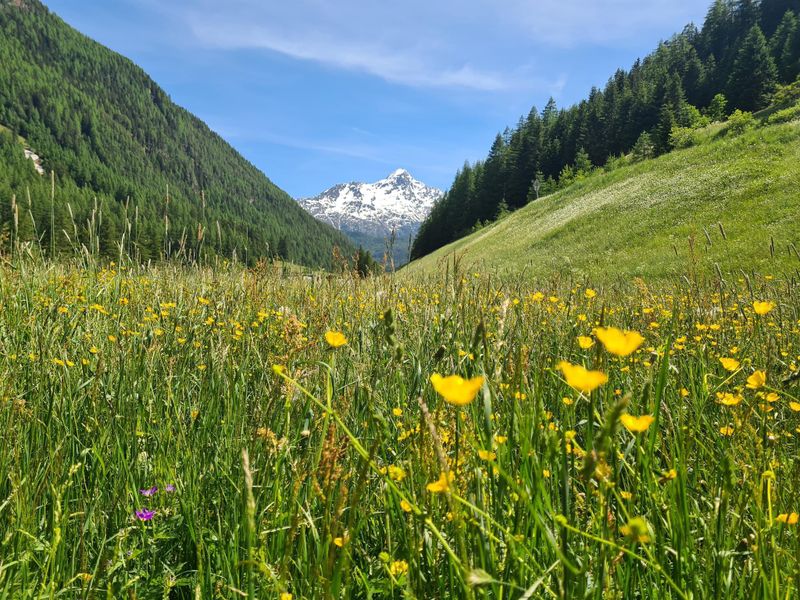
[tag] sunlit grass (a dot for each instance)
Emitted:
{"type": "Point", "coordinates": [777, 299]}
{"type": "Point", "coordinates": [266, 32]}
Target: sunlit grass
{"type": "Point", "coordinates": [310, 454]}
{"type": "Point", "coordinates": [730, 202]}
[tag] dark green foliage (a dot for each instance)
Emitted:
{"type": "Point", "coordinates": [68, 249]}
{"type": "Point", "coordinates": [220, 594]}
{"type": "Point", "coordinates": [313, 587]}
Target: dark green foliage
{"type": "Point", "coordinates": [131, 167]}
{"type": "Point", "coordinates": [754, 76]}
{"type": "Point", "coordinates": [365, 264]}
{"type": "Point", "coordinates": [772, 11]}
{"type": "Point", "coordinates": [725, 66]}
{"type": "Point", "coordinates": [785, 47]}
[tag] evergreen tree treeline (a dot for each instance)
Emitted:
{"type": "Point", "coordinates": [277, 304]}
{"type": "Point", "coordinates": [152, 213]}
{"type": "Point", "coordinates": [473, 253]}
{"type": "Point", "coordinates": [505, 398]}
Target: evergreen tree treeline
{"type": "Point", "coordinates": [124, 154]}
{"type": "Point", "coordinates": [735, 61]}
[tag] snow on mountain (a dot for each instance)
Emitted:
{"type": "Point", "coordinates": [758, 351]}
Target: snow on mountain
{"type": "Point", "coordinates": [398, 202]}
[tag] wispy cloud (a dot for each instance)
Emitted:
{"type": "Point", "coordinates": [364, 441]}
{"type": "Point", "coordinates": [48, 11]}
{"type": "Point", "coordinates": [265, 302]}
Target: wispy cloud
{"type": "Point", "coordinates": [417, 43]}
{"type": "Point", "coordinates": [402, 66]}
{"type": "Point", "coordinates": [570, 23]}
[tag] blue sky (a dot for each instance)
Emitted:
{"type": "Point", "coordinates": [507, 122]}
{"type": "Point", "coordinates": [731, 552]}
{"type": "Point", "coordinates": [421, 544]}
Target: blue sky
{"type": "Point", "coordinates": [316, 92]}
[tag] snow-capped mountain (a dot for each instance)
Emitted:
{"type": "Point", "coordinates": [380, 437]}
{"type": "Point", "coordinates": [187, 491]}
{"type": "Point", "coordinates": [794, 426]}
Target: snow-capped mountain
{"type": "Point", "coordinates": [398, 202]}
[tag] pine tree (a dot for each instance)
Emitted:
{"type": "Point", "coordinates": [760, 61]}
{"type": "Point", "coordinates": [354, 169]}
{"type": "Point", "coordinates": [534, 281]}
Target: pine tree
{"type": "Point", "coordinates": [644, 147]}
{"type": "Point", "coordinates": [583, 165]}
{"type": "Point", "coordinates": [717, 31]}
{"type": "Point", "coordinates": [746, 14]}
{"type": "Point", "coordinates": [718, 109]}
{"type": "Point", "coordinates": [773, 11]}
{"type": "Point", "coordinates": [663, 132]}
{"type": "Point", "coordinates": [785, 47]}
{"type": "Point", "coordinates": [754, 74]}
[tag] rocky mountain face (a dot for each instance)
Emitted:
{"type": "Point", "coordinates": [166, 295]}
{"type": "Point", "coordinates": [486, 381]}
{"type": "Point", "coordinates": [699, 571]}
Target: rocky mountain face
{"type": "Point", "coordinates": [369, 212]}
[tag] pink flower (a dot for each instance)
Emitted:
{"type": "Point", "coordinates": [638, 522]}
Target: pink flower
{"type": "Point", "coordinates": [145, 515]}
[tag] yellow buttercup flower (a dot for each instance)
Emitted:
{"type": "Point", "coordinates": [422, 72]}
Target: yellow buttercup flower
{"type": "Point", "coordinates": [580, 378]}
{"type": "Point", "coordinates": [457, 390]}
{"type": "Point", "coordinates": [730, 364]}
{"type": "Point", "coordinates": [795, 406]}
{"type": "Point", "coordinates": [789, 519]}
{"type": "Point", "coordinates": [762, 308]}
{"type": "Point", "coordinates": [590, 293]}
{"type": "Point", "coordinates": [486, 455]}
{"type": "Point", "coordinates": [618, 342]}
{"type": "Point", "coordinates": [442, 484]}
{"type": "Point", "coordinates": [636, 424]}
{"type": "Point", "coordinates": [727, 431]}
{"type": "Point", "coordinates": [405, 505]}
{"type": "Point", "coordinates": [335, 339]}
{"type": "Point", "coordinates": [728, 399]}
{"type": "Point", "coordinates": [585, 342]}
{"type": "Point", "coordinates": [757, 380]}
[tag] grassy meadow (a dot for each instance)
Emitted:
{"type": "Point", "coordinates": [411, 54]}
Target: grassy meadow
{"type": "Point", "coordinates": [232, 433]}
{"type": "Point", "coordinates": [729, 200]}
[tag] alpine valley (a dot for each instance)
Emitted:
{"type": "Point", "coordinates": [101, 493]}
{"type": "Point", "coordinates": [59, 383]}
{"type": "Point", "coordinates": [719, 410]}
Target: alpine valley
{"type": "Point", "coordinates": [369, 213]}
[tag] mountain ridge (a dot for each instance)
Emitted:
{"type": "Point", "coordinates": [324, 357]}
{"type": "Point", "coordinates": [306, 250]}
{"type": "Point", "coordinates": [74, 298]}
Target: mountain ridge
{"type": "Point", "coordinates": [108, 131]}
{"type": "Point", "coordinates": [370, 213]}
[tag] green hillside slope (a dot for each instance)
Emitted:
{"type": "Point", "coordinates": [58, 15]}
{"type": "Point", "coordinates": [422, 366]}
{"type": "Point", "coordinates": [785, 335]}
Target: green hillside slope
{"type": "Point", "coordinates": [109, 132]}
{"type": "Point", "coordinates": [731, 201]}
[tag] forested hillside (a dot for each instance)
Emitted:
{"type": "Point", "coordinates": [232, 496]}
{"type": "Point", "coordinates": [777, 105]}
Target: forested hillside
{"type": "Point", "coordinates": [735, 62]}
{"type": "Point", "coordinates": [129, 164]}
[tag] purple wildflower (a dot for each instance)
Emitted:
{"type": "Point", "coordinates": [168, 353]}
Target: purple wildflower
{"type": "Point", "coordinates": [149, 492]}
{"type": "Point", "coordinates": [170, 488]}
{"type": "Point", "coordinates": [145, 515]}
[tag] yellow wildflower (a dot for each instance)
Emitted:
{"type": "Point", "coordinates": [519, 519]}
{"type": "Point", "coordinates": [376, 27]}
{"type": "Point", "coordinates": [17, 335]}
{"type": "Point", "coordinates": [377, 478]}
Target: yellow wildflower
{"type": "Point", "coordinates": [486, 455]}
{"type": "Point", "coordinates": [398, 568]}
{"type": "Point", "coordinates": [728, 399]}
{"type": "Point", "coordinates": [457, 390]}
{"type": "Point", "coordinates": [580, 378]}
{"type": "Point", "coordinates": [618, 342]}
{"type": "Point", "coordinates": [762, 308]}
{"type": "Point", "coordinates": [730, 364]}
{"type": "Point", "coordinates": [335, 339]}
{"type": "Point", "coordinates": [637, 530]}
{"type": "Point", "coordinates": [757, 380]}
{"type": "Point", "coordinates": [442, 484]}
{"type": "Point", "coordinates": [636, 424]}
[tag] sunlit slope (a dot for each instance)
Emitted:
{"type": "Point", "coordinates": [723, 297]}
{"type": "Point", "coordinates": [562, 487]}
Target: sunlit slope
{"type": "Point", "coordinates": [656, 218]}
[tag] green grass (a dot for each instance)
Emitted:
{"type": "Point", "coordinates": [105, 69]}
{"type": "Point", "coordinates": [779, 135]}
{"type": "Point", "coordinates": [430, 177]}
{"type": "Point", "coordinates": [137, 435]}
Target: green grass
{"type": "Point", "coordinates": [3, 128]}
{"type": "Point", "coordinates": [657, 219]}
{"type": "Point", "coordinates": [115, 380]}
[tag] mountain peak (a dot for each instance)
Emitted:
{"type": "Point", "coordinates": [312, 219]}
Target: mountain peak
{"type": "Point", "coordinates": [397, 202]}
{"type": "Point", "coordinates": [400, 173]}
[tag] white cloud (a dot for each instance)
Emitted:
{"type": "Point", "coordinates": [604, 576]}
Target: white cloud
{"type": "Point", "coordinates": [413, 43]}
{"type": "Point", "coordinates": [486, 45]}
{"type": "Point", "coordinates": [606, 22]}
{"type": "Point", "coordinates": [349, 52]}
